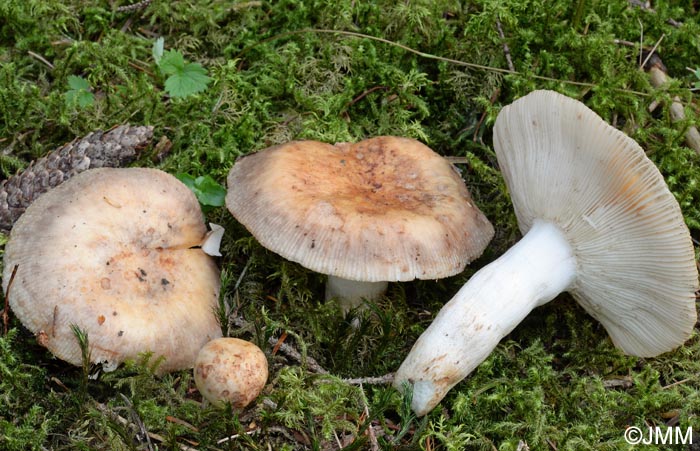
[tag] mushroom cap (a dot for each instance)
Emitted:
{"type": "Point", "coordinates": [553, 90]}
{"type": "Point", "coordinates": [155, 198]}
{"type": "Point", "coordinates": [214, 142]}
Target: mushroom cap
{"type": "Point", "coordinates": [636, 271]}
{"type": "Point", "coordinates": [383, 209]}
{"type": "Point", "coordinates": [230, 370]}
{"type": "Point", "coordinates": [110, 251]}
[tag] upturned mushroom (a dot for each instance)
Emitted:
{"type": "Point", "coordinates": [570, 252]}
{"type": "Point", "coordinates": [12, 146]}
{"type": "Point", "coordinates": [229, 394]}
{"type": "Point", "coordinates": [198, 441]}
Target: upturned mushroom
{"type": "Point", "coordinates": [380, 210]}
{"type": "Point", "coordinates": [116, 253]}
{"type": "Point", "coordinates": [230, 370]}
{"type": "Point", "coordinates": [598, 221]}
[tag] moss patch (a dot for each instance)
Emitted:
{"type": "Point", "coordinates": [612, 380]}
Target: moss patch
{"type": "Point", "coordinates": [278, 74]}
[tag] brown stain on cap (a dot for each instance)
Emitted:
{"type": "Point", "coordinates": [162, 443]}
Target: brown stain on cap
{"type": "Point", "coordinates": [383, 209]}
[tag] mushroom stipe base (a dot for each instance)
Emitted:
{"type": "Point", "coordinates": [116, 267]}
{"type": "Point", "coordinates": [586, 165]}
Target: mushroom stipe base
{"type": "Point", "coordinates": [495, 300]}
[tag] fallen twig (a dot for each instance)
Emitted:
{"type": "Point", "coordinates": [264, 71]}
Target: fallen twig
{"type": "Point", "coordinates": [289, 351]}
{"type": "Point", "coordinates": [651, 52]}
{"type": "Point", "coordinates": [372, 380]}
{"type": "Point", "coordinates": [457, 160]}
{"type": "Point", "coordinates": [139, 68]}
{"type": "Point", "coordinates": [493, 98]}
{"type": "Point", "coordinates": [242, 53]}
{"type": "Point", "coordinates": [138, 422]}
{"type": "Point", "coordinates": [311, 363]}
{"type": "Point", "coordinates": [624, 382]}
{"type": "Point", "coordinates": [365, 94]}
{"type": "Point", "coordinates": [235, 436]}
{"type": "Point", "coordinates": [134, 7]}
{"type": "Point", "coordinates": [40, 58]}
{"type": "Point", "coordinates": [374, 444]}
{"type": "Point", "coordinates": [184, 423]}
{"type": "Point", "coordinates": [159, 438]}
{"type": "Point", "coordinates": [680, 382]}
{"type": "Point", "coordinates": [506, 49]}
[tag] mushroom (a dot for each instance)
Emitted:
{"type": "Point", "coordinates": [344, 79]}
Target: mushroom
{"type": "Point", "coordinates": [212, 240]}
{"type": "Point", "coordinates": [598, 221]}
{"type": "Point", "coordinates": [383, 209]}
{"type": "Point", "coordinates": [115, 253]}
{"type": "Point", "coordinates": [230, 370]}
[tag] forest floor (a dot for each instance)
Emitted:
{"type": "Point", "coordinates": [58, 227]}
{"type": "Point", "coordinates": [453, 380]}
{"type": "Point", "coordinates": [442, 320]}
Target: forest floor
{"type": "Point", "coordinates": [253, 74]}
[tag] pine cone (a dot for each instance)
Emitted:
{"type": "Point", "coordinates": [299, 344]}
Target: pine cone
{"type": "Point", "coordinates": [115, 148]}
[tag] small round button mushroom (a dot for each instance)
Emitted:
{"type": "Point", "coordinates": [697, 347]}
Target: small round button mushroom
{"type": "Point", "coordinates": [230, 370]}
{"type": "Point", "coordinates": [382, 210]}
{"type": "Point", "coordinates": [115, 252]}
{"type": "Point", "coordinates": [598, 221]}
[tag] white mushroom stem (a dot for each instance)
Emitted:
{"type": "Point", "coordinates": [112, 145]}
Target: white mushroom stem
{"type": "Point", "coordinates": [486, 309]}
{"type": "Point", "coordinates": [351, 293]}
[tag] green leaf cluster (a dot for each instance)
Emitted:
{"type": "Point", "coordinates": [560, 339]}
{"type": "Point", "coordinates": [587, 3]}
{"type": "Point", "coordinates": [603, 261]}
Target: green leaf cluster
{"type": "Point", "coordinates": [79, 93]}
{"type": "Point", "coordinates": [184, 78]}
{"type": "Point", "coordinates": [209, 193]}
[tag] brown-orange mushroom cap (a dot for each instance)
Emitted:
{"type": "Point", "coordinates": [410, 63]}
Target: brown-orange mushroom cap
{"type": "Point", "coordinates": [115, 253]}
{"type": "Point", "coordinates": [383, 209]}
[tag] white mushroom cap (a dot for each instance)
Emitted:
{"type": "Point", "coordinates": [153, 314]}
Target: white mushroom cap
{"type": "Point", "coordinates": [636, 270]}
{"type": "Point", "coordinates": [383, 209]}
{"type": "Point", "coordinates": [230, 370]}
{"type": "Point", "coordinates": [112, 251]}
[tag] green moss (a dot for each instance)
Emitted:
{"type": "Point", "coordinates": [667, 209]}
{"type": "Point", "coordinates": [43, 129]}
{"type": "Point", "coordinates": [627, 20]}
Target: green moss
{"type": "Point", "coordinates": [279, 74]}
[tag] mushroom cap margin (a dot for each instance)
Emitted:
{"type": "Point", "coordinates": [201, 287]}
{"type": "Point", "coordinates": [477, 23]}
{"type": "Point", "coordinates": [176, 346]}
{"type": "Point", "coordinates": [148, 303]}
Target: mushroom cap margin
{"type": "Point", "coordinates": [636, 267]}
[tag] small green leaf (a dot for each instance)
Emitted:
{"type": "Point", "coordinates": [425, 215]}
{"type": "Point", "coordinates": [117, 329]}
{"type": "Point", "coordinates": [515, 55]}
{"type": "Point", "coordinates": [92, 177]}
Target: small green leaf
{"type": "Point", "coordinates": [211, 192]}
{"type": "Point", "coordinates": [78, 83]}
{"type": "Point", "coordinates": [79, 94]}
{"type": "Point", "coordinates": [84, 98]}
{"type": "Point", "coordinates": [172, 62]}
{"type": "Point", "coordinates": [205, 188]}
{"type": "Point", "coordinates": [191, 79]}
{"type": "Point", "coordinates": [158, 50]}
{"type": "Point", "coordinates": [187, 179]}
{"type": "Point", "coordinates": [184, 78]}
